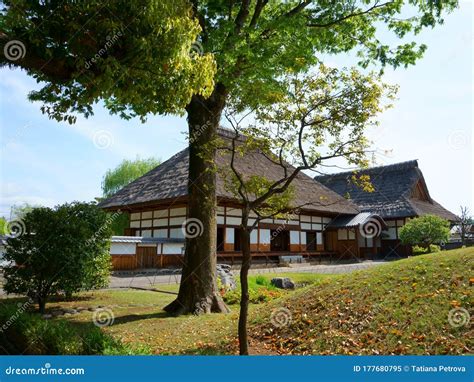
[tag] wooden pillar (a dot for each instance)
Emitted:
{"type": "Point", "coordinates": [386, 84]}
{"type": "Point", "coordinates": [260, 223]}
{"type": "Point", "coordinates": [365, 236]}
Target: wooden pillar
{"type": "Point", "coordinates": [357, 241]}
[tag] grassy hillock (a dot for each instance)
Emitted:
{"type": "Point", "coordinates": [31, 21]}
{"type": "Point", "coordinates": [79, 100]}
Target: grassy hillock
{"type": "Point", "coordinates": [397, 308]}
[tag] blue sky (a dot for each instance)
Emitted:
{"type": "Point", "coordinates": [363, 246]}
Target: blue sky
{"type": "Point", "coordinates": [46, 162]}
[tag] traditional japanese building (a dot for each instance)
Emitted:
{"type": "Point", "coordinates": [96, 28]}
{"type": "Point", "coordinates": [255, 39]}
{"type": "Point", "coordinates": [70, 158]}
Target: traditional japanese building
{"type": "Point", "coordinates": [400, 193]}
{"type": "Point", "coordinates": [327, 222]}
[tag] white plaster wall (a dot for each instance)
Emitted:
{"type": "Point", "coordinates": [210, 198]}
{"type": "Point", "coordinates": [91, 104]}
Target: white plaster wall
{"type": "Point", "coordinates": [294, 237]}
{"type": "Point", "coordinates": [122, 248]}
{"type": "Point", "coordinates": [229, 235]}
{"type": "Point", "coordinates": [172, 248]}
{"type": "Point", "coordinates": [254, 237]}
{"type": "Point", "coordinates": [265, 236]}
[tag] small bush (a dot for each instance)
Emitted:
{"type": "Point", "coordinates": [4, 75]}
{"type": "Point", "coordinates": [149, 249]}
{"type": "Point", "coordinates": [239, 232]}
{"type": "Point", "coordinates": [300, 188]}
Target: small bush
{"type": "Point", "coordinates": [417, 250]}
{"type": "Point", "coordinates": [260, 290]}
{"type": "Point", "coordinates": [261, 280]}
{"type": "Point", "coordinates": [27, 333]}
{"type": "Point", "coordinates": [255, 296]}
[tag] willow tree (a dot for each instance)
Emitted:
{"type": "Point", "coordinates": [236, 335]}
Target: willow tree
{"type": "Point", "coordinates": [151, 56]}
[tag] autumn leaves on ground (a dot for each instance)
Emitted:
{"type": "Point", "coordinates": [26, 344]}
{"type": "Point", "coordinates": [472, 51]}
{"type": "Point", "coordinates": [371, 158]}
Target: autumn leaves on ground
{"type": "Point", "coordinates": [399, 308]}
{"type": "Point", "coordinates": [414, 306]}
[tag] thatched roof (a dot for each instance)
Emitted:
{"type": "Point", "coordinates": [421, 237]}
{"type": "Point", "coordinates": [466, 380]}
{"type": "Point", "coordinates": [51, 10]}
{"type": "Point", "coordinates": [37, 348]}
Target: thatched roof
{"type": "Point", "coordinates": [394, 191]}
{"type": "Point", "coordinates": [168, 182]}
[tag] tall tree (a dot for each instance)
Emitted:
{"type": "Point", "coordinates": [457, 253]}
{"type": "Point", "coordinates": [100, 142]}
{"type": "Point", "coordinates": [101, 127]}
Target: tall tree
{"type": "Point", "coordinates": [117, 178]}
{"type": "Point", "coordinates": [321, 116]}
{"type": "Point", "coordinates": [464, 224]}
{"type": "Point", "coordinates": [135, 56]}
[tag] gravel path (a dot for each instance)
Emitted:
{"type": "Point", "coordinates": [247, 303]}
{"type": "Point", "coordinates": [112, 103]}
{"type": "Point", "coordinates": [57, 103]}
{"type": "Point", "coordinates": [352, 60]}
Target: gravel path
{"type": "Point", "coordinates": [147, 280]}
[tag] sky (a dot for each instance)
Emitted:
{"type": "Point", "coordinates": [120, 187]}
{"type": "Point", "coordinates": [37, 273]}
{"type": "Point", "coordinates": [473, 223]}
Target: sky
{"type": "Point", "coordinates": [45, 162]}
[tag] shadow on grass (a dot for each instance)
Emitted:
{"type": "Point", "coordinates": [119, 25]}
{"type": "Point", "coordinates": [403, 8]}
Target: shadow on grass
{"type": "Point", "coordinates": [139, 317]}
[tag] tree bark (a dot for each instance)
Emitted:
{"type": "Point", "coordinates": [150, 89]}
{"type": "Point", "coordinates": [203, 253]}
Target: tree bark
{"type": "Point", "coordinates": [244, 299]}
{"type": "Point", "coordinates": [198, 291]}
{"type": "Point", "coordinates": [41, 304]}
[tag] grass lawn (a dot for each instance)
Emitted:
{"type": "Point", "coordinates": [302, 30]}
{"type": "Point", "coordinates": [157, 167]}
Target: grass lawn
{"type": "Point", "coordinates": [146, 323]}
{"type": "Point", "coordinates": [397, 308]}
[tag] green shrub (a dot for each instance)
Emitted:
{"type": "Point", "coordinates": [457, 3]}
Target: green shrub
{"type": "Point", "coordinates": [28, 333]}
{"type": "Point", "coordinates": [256, 295]}
{"type": "Point", "coordinates": [261, 280]}
{"type": "Point", "coordinates": [417, 250]}
{"type": "Point", "coordinates": [75, 258]}
{"type": "Point", "coordinates": [424, 231]}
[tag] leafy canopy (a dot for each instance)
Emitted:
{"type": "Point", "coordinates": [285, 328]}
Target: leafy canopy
{"type": "Point", "coordinates": [425, 231]}
{"type": "Point", "coordinates": [135, 55]}
{"type": "Point", "coordinates": [64, 249]}
{"type": "Point", "coordinates": [321, 116]}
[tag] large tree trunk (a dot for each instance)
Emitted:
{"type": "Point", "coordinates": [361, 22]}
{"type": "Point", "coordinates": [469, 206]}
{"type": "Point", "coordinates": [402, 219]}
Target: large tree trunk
{"type": "Point", "coordinates": [41, 300]}
{"type": "Point", "coordinates": [244, 284]}
{"type": "Point", "coordinates": [198, 291]}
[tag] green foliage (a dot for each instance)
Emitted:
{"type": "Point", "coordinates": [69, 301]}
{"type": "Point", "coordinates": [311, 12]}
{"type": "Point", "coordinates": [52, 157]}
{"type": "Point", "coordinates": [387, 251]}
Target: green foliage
{"type": "Point", "coordinates": [256, 295]}
{"type": "Point", "coordinates": [126, 172]}
{"type": "Point", "coordinates": [18, 211]}
{"type": "Point", "coordinates": [260, 291]}
{"type": "Point", "coordinates": [260, 280]}
{"type": "Point", "coordinates": [425, 231]}
{"type": "Point", "coordinates": [117, 178]}
{"type": "Point", "coordinates": [28, 333]}
{"type": "Point", "coordinates": [65, 249]}
{"type": "Point", "coordinates": [323, 115]}
{"type": "Point", "coordinates": [3, 226]}
{"type": "Point", "coordinates": [417, 250]}
{"type": "Point", "coordinates": [136, 55]}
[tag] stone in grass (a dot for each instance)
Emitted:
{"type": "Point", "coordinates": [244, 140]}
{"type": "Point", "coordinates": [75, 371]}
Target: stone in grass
{"type": "Point", "coordinates": [283, 283]}
{"type": "Point", "coordinates": [47, 316]}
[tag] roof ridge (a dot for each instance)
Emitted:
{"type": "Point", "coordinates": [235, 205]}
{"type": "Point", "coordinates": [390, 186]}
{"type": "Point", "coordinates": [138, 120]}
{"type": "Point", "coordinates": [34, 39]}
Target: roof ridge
{"type": "Point", "coordinates": [398, 165]}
